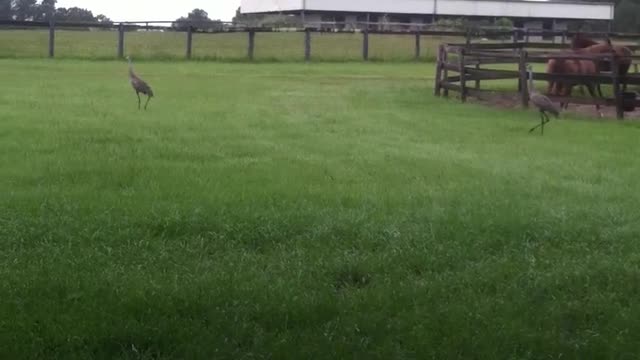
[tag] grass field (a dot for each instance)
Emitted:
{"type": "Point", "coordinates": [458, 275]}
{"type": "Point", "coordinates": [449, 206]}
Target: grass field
{"type": "Point", "coordinates": [316, 211]}
{"type": "Point", "coordinates": [228, 47]}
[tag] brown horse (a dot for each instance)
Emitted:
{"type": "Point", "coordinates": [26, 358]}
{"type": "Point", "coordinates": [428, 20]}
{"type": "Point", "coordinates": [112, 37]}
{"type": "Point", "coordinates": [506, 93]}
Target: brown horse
{"type": "Point", "coordinates": [573, 67]}
{"type": "Point", "coordinates": [581, 42]}
{"type": "Point", "coordinates": [584, 45]}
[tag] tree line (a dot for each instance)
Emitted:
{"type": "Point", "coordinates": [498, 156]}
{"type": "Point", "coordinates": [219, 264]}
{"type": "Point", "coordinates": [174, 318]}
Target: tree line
{"type": "Point", "coordinates": [32, 10]}
{"type": "Point", "coordinates": [627, 16]}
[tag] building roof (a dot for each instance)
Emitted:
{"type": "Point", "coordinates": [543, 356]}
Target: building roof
{"type": "Point", "coordinates": [500, 8]}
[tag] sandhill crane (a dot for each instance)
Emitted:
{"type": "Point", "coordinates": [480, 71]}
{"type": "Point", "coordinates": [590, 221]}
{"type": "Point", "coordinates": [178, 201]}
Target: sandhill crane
{"type": "Point", "coordinates": [139, 85]}
{"type": "Point", "coordinates": [543, 103]}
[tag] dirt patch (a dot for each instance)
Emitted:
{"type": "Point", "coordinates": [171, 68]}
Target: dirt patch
{"type": "Point", "coordinates": [512, 101]}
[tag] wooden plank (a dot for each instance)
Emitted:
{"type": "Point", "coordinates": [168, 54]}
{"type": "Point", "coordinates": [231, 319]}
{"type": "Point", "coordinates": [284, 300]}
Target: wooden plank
{"type": "Point", "coordinates": [524, 88]}
{"type": "Point", "coordinates": [452, 79]}
{"type": "Point", "coordinates": [121, 41]}
{"type": "Point", "coordinates": [450, 66]}
{"type": "Point", "coordinates": [445, 71]}
{"type": "Point", "coordinates": [252, 45]}
{"type": "Point", "coordinates": [452, 87]}
{"type": "Point", "coordinates": [490, 74]}
{"type": "Point", "coordinates": [307, 45]}
{"type": "Point", "coordinates": [630, 79]}
{"type": "Point", "coordinates": [189, 41]}
{"type": "Point", "coordinates": [439, 60]}
{"type": "Point", "coordinates": [617, 90]}
{"type": "Point", "coordinates": [463, 81]}
{"type": "Point", "coordinates": [365, 45]}
{"type": "Point", "coordinates": [52, 38]}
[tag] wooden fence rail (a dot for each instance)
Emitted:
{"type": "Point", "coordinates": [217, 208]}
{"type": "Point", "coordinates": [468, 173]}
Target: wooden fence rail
{"type": "Point", "coordinates": [366, 29]}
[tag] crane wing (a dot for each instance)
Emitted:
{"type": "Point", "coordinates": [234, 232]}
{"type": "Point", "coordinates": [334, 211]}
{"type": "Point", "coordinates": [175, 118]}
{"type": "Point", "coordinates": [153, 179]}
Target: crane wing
{"type": "Point", "coordinates": [544, 103]}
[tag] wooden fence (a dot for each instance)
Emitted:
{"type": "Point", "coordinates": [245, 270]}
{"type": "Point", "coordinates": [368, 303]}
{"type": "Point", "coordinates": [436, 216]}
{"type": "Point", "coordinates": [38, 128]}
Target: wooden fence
{"type": "Point", "coordinates": [468, 64]}
{"type": "Point", "coordinates": [365, 29]}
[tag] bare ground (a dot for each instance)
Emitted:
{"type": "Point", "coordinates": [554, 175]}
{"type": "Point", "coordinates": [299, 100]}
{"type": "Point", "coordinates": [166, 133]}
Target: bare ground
{"type": "Point", "coordinates": [512, 101]}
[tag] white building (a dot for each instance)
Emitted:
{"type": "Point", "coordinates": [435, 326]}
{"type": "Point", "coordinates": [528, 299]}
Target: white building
{"type": "Point", "coordinates": [531, 14]}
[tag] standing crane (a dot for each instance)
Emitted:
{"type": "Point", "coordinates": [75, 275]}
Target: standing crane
{"type": "Point", "coordinates": [139, 85]}
{"type": "Point", "coordinates": [543, 103]}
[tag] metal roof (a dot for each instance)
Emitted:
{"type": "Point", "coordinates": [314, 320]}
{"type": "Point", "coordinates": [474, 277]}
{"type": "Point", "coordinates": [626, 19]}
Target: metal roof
{"type": "Point", "coordinates": [557, 9]}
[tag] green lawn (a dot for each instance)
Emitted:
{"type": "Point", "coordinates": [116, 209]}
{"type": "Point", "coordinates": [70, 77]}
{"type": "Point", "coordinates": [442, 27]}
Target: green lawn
{"type": "Point", "coordinates": [306, 211]}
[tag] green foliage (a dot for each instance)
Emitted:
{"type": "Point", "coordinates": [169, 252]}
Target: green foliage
{"type": "Point", "coordinates": [503, 23]}
{"type": "Point", "coordinates": [24, 9]}
{"type": "Point", "coordinates": [627, 16]}
{"type": "Point", "coordinates": [45, 10]}
{"type": "Point", "coordinates": [306, 211]}
{"type": "Point", "coordinates": [198, 19]}
{"type": "Point", "coordinates": [6, 11]}
{"type": "Point", "coordinates": [450, 24]}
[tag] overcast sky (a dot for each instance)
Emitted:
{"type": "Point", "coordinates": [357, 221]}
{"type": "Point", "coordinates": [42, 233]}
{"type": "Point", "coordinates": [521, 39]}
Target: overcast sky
{"type": "Point", "coordinates": [137, 10]}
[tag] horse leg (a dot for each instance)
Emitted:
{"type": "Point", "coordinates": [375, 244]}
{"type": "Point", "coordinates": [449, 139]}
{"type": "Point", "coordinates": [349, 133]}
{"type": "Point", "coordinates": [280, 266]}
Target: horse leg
{"type": "Point", "coordinates": [592, 91]}
{"type": "Point", "coordinates": [564, 90]}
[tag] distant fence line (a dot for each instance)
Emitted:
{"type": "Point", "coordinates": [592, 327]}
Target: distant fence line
{"type": "Point", "coordinates": [364, 28]}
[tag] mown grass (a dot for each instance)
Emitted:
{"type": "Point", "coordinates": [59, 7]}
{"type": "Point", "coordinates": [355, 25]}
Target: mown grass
{"type": "Point", "coordinates": [228, 47]}
{"type": "Point", "coordinates": [315, 211]}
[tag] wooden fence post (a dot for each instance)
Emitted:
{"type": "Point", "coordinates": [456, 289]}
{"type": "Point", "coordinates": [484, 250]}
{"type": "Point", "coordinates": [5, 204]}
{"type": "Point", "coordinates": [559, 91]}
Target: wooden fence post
{"type": "Point", "coordinates": [617, 92]}
{"type": "Point", "coordinates": [522, 83]}
{"type": "Point", "coordinates": [52, 38]}
{"type": "Point", "coordinates": [307, 44]}
{"type": "Point", "coordinates": [527, 37]}
{"type": "Point", "coordinates": [463, 73]}
{"type": "Point", "coordinates": [189, 41]}
{"type": "Point", "coordinates": [445, 71]}
{"type": "Point", "coordinates": [365, 45]}
{"type": "Point", "coordinates": [417, 53]}
{"type": "Point", "coordinates": [252, 44]}
{"type": "Point", "coordinates": [477, 84]}
{"type": "Point", "coordinates": [439, 63]}
{"type": "Point", "coordinates": [121, 40]}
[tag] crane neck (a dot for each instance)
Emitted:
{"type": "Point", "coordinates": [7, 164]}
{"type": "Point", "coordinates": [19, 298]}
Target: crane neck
{"type": "Point", "coordinates": [531, 87]}
{"type": "Point", "coordinates": [131, 74]}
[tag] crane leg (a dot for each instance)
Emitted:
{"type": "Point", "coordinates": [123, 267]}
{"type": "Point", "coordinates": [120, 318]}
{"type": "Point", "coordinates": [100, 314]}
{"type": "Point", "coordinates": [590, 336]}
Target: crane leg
{"type": "Point", "coordinates": [138, 100]}
{"type": "Point", "coordinates": [147, 103]}
{"type": "Point", "coordinates": [544, 118]}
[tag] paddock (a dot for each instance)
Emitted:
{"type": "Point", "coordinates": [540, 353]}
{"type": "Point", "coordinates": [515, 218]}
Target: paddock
{"type": "Point", "coordinates": [463, 68]}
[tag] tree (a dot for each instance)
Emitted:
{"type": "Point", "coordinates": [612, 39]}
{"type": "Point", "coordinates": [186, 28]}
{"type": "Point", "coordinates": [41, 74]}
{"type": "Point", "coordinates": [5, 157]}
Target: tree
{"type": "Point", "coordinates": [74, 14]}
{"type": "Point", "coordinates": [103, 19]}
{"type": "Point", "coordinates": [24, 9]}
{"type": "Point", "coordinates": [199, 19]}
{"type": "Point", "coordinates": [45, 11]}
{"type": "Point", "coordinates": [6, 10]}
{"type": "Point", "coordinates": [627, 16]}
